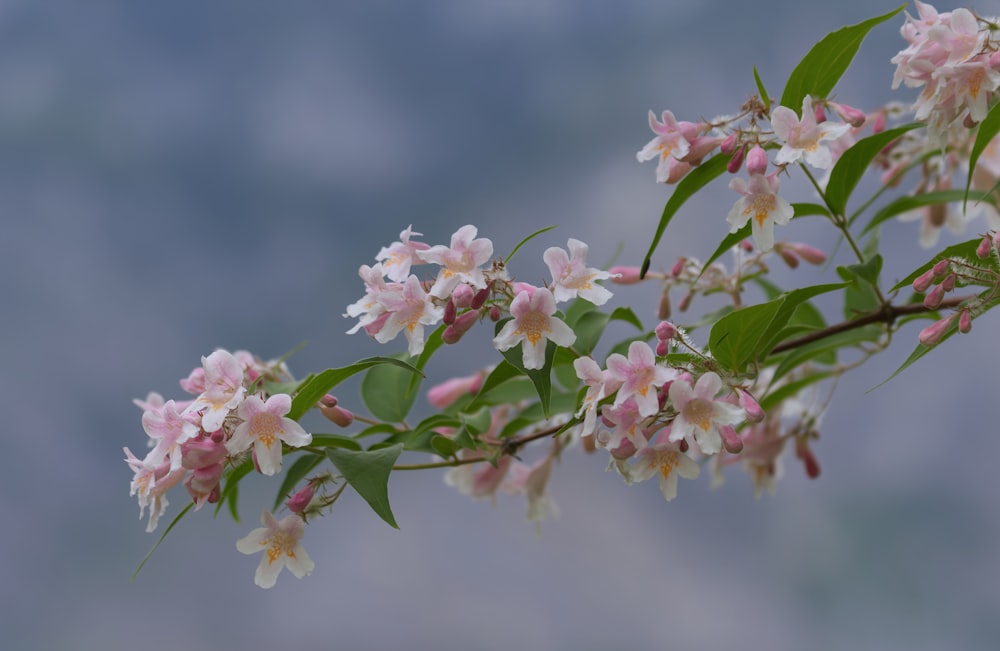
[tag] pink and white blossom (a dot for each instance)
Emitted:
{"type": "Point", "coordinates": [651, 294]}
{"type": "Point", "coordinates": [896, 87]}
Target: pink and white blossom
{"type": "Point", "coordinates": [398, 257]}
{"type": "Point", "coordinates": [669, 145]}
{"type": "Point", "coordinates": [600, 384]}
{"type": "Point", "coordinates": [700, 414]}
{"type": "Point", "coordinates": [265, 427]}
{"type": "Point", "coordinates": [533, 326]}
{"type": "Point", "coordinates": [640, 376]}
{"type": "Point", "coordinates": [571, 277]}
{"type": "Point", "coordinates": [409, 309]}
{"type": "Point", "coordinates": [223, 389]}
{"type": "Point", "coordinates": [803, 137]}
{"type": "Point", "coordinates": [761, 206]}
{"type": "Point", "coordinates": [280, 540]}
{"type": "Point", "coordinates": [460, 261]}
{"type": "Point", "coordinates": [663, 458]}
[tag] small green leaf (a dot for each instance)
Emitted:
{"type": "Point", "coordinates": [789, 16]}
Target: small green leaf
{"type": "Point", "coordinates": [853, 164]}
{"type": "Point", "coordinates": [826, 62]}
{"type": "Point", "coordinates": [386, 392]}
{"type": "Point", "coordinates": [695, 180]}
{"type": "Point", "coordinates": [173, 523]}
{"type": "Point", "coordinates": [966, 250]}
{"type": "Point", "coordinates": [590, 327]}
{"type": "Point", "coordinates": [368, 473]}
{"type": "Point", "coordinates": [764, 97]}
{"type": "Point", "coordinates": [988, 128]}
{"type": "Point", "coordinates": [320, 384]}
{"type": "Point", "coordinates": [525, 240]}
{"type": "Point", "coordinates": [335, 441]}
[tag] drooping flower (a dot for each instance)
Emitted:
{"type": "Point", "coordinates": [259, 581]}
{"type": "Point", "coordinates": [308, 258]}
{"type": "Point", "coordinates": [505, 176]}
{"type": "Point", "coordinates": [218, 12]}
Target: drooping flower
{"type": "Point", "coordinates": [571, 277]}
{"type": "Point", "coordinates": [460, 261]}
{"type": "Point", "coordinates": [761, 206]}
{"type": "Point", "coordinates": [803, 138]}
{"type": "Point", "coordinates": [223, 389]}
{"type": "Point", "coordinates": [664, 458]}
{"type": "Point", "coordinates": [670, 144]}
{"type": "Point", "coordinates": [640, 377]}
{"type": "Point", "coordinates": [280, 540]}
{"type": "Point", "coordinates": [600, 384]}
{"type": "Point", "coordinates": [264, 427]}
{"type": "Point", "coordinates": [169, 427]}
{"type": "Point", "coordinates": [533, 481]}
{"type": "Point", "coordinates": [533, 325]}
{"type": "Point", "coordinates": [699, 414]}
{"type": "Point", "coordinates": [409, 309]}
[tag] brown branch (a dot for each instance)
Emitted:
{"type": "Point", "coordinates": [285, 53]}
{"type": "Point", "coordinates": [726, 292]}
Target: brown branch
{"type": "Point", "coordinates": [888, 315]}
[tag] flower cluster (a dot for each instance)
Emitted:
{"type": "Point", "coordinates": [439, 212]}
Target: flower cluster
{"type": "Point", "coordinates": [464, 291]}
{"type": "Point", "coordinates": [232, 413]}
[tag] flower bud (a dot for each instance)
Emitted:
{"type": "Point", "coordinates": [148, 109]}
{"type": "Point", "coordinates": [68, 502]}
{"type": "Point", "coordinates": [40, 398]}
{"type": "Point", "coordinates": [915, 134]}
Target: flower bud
{"type": "Point", "coordinates": [663, 309]}
{"type": "Point", "coordinates": [941, 268]}
{"type": "Point", "coordinates": [750, 405]}
{"type": "Point", "coordinates": [819, 112]}
{"type": "Point", "coordinates": [924, 281]}
{"type": "Point", "coordinates": [964, 322]}
{"type": "Point", "coordinates": [338, 415]}
{"type": "Point", "coordinates": [299, 502]}
{"type": "Point", "coordinates": [933, 333]}
{"type": "Point", "coordinates": [494, 314]}
{"type": "Point", "coordinates": [933, 298]}
{"type": "Point", "coordinates": [201, 483]}
{"type": "Point", "coordinates": [665, 330]}
{"type": "Point", "coordinates": [853, 116]}
{"type": "Point", "coordinates": [731, 439]}
{"type": "Point", "coordinates": [878, 122]}
{"type": "Point", "coordinates": [949, 282]}
{"type": "Point", "coordinates": [449, 312]}
{"type": "Point", "coordinates": [757, 160]}
{"type": "Point", "coordinates": [728, 145]}
{"type": "Point", "coordinates": [678, 267]}
{"type": "Point", "coordinates": [787, 256]}
{"type": "Point", "coordinates": [447, 392]}
{"type": "Point", "coordinates": [202, 452]}
{"type": "Point", "coordinates": [463, 295]}
{"type": "Point", "coordinates": [625, 275]}
{"type": "Point", "coordinates": [810, 254]}
{"type": "Point", "coordinates": [480, 298]}
{"type": "Point", "coordinates": [662, 348]}
{"type": "Point", "coordinates": [983, 250]}
{"type": "Point", "coordinates": [736, 161]}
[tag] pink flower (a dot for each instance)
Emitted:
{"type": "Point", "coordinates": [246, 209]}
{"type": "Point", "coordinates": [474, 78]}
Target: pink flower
{"type": "Point", "coordinates": [670, 144]}
{"type": "Point", "coordinates": [281, 543]}
{"type": "Point", "coordinates": [803, 137]}
{"type": "Point", "coordinates": [368, 306]}
{"type": "Point", "coordinates": [265, 427]}
{"type": "Point", "coordinates": [223, 389]}
{"type": "Point", "coordinates": [600, 384]}
{"type": "Point", "coordinates": [461, 261]}
{"type": "Point", "coordinates": [699, 414]}
{"type": "Point", "coordinates": [169, 427]}
{"type": "Point", "coordinates": [640, 376]}
{"type": "Point", "coordinates": [533, 325]}
{"type": "Point", "coordinates": [533, 481]}
{"type": "Point", "coordinates": [409, 309]}
{"type": "Point", "coordinates": [761, 204]}
{"type": "Point", "coordinates": [663, 458]}
{"type": "Point", "coordinates": [398, 257]}
{"type": "Point", "coordinates": [443, 394]}
{"type": "Point", "coordinates": [571, 277]}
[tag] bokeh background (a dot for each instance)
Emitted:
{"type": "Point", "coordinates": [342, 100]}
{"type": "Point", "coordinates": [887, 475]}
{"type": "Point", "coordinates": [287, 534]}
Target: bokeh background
{"type": "Point", "coordinates": [179, 176]}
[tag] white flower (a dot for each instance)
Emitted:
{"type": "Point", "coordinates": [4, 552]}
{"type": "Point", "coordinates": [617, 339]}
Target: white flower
{"type": "Point", "coordinates": [279, 540]}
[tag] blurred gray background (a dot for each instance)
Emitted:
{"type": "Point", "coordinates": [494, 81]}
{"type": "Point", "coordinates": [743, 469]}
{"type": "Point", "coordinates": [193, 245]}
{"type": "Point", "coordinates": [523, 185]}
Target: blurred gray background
{"type": "Point", "coordinates": [178, 176]}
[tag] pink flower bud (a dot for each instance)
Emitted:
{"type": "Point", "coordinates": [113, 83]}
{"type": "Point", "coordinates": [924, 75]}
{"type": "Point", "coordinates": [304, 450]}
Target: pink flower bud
{"type": "Point", "coordinates": [735, 163]}
{"type": "Point", "coordinates": [663, 309]}
{"type": "Point", "coordinates": [625, 450]}
{"type": "Point", "coordinates": [809, 460]}
{"type": "Point", "coordinates": [686, 302]}
{"type": "Point", "coordinates": [449, 312]}
{"type": "Point", "coordinates": [201, 483]}
{"type": "Point", "coordinates": [731, 439]}
{"type": "Point", "coordinates": [964, 322]}
{"type": "Point", "coordinates": [463, 295]}
{"type": "Point", "coordinates": [678, 171]}
{"type": "Point", "coordinates": [878, 122]}
{"type": "Point", "coordinates": [202, 452]}
{"type": "Point", "coordinates": [924, 281]}
{"type": "Point", "coordinates": [853, 116]}
{"type": "Point", "coordinates": [787, 256]}
{"type": "Point", "coordinates": [933, 298]}
{"type": "Point", "coordinates": [328, 401]}
{"type": "Point", "coordinates": [700, 147]}
{"type": "Point", "coordinates": [819, 112]}
{"type": "Point", "coordinates": [299, 502]}
{"type": "Point", "coordinates": [480, 298]}
{"type": "Point", "coordinates": [447, 392]}
{"type": "Point", "coordinates": [728, 145]}
{"type": "Point", "coordinates": [757, 160]}
{"type": "Point", "coordinates": [933, 333]}
{"type": "Point", "coordinates": [750, 405]}
{"type": "Point", "coordinates": [983, 250]}
{"type": "Point", "coordinates": [338, 415]}
{"type": "Point", "coordinates": [665, 330]}
{"type": "Point", "coordinates": [949, 282]}
{"type": "Point", "coordinates": [678, 267]}
{"type": "Point", "coordinates": [625, 275]}
{"type": "Point", "coordinates": [810, 254]}
{"type": "Point", "coordinates": [662, 348]}
{"type": "Point", "coordinates": [941, 268]}
{"type": "Point", "coordinates": [494, 314]}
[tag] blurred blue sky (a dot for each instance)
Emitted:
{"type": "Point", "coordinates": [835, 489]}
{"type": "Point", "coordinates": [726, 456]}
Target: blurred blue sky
{"type": "Point", "coordinates": [186, 175]}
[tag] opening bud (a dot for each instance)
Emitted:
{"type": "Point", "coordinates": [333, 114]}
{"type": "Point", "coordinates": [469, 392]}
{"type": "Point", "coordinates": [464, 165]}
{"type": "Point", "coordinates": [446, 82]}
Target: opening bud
{"type": "Point", "coordinates": [757, 160]}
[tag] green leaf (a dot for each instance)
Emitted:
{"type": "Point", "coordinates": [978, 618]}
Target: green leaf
{"type": "Point", "coordinates": [386, 392]}
{"type": "Point", "coordinates": [590, 327]}
{"type": "Point", "coordinates": [320, 384]}
{"type": "Point", "coordinates": [764, 97]}
{"type": "Point", "coordinates": [861, 295]}
{"type": "Point", "coordinates": [695, 180]}
{"type": "Point", "coordinates": [173, 522]}
{"type": "Point", "coordinates": [295, 472]}
{"type": "Point", "coordinates": [906, 204]}
{"type": "Point", "coordinates": [826, 62]}
{"type": "Point", "coordinates": [335, 441]}
{"type": "Point", "coordinates": [988, 128]}
{"type": "Point", "coordinates": [853, 163]}
{"type": "Point", "coordinates": [785, 391]}
{"type": "Point", "coordinates": [750, 333]}
{"type": "Point", "coordinates": [540, 378]}
{"type": "Point", "coordinates": [824, 351]}
{"type": "Point", "coordinates": [434, 341]}
{"type": "Point", "coordinates": [368, 473]}
{"type": "Point", "coordinates": [525, 240]}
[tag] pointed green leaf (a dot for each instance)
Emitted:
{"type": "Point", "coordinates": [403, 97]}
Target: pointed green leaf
{"type": "Point", "coordinates": [988, 128]}
{"type": "Point", "coordinates": [368, 473]}
{"type": "Point", "coordinates": [230, 493]}
{"type": "Point", "coordinates": [826, 62]}
{"type": "Point", "coordinates": [853, 164]}
{"type": "Point", "coordinates": [172, 524]}
{"type": "Point", "coordinates": [320, 384]}
{"type": "Point", "coordinates": [386, 392]}
{"type": "Point", "coordinates": [525, 240]}
{"type": "Point", "coordinates": [695, 180]}
{"type": "Point", "coordinates": [761, 91]}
